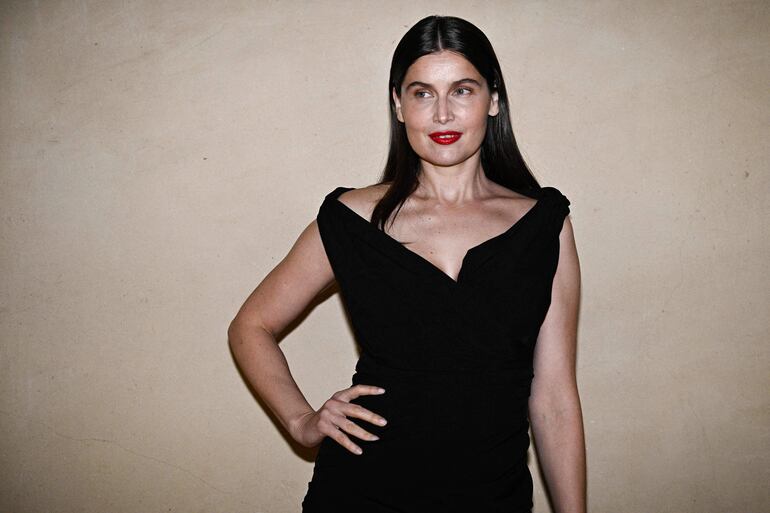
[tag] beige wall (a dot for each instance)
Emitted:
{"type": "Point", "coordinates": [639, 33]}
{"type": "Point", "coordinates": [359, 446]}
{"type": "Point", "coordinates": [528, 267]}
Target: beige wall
{"type": "Point", "coordinates": [157, 159]}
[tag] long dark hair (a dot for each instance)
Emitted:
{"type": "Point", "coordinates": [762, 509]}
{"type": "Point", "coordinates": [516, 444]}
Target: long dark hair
{"type": "Point", "coordinates": [500, 157]}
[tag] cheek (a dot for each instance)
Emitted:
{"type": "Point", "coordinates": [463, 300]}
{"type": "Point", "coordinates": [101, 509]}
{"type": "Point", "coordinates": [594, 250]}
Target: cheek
{"type": "Point", "coordinates": [416, 138]}
{"type": "Point", "coordinates": [417, 124]}
{"type": "Point", "coordinates": [419, 120]}
{"type": "Point", "coordinates": [477, 116]}
{"type": "Point", "coordinates": [417, 115]}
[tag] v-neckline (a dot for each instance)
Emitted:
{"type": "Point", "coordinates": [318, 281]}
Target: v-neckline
{"type": "Point", "coordinates": [424, 261]}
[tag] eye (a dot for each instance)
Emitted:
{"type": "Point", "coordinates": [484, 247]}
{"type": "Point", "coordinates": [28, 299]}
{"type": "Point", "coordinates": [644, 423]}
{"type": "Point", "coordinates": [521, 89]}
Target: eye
{"type": "Point", "coordinates": [466, 89]}
{"type": "Point", "coordinates": [418, 93]}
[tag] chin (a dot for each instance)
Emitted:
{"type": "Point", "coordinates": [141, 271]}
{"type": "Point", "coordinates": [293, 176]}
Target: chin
{"type": "Point", "coordinates": [444, 160]}
{"type": "Point", "coordinates": [447, 156]}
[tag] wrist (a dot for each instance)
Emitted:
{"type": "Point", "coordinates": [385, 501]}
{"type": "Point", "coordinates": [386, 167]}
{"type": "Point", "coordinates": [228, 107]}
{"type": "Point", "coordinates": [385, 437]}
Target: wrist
{"type": "Point", "coordinates": [296, 421]}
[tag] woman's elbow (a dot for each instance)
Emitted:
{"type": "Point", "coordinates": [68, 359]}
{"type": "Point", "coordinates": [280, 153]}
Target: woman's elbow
{"type": "Point", "coordinates": [555, 402]}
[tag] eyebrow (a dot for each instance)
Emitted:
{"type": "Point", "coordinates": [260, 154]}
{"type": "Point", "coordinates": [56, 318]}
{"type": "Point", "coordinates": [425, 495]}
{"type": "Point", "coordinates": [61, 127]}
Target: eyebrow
{"type": "Point", "coordinates": [417, 83]}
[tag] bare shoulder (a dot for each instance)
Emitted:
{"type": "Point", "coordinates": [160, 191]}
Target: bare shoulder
{"type": "Point", "coordinates": [506, 199]}
{"type": "Point", "coordinates": [363, 199]}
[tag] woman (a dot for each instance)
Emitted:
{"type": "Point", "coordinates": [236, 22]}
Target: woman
{"type": "Point", "coordinates": [465, 307]}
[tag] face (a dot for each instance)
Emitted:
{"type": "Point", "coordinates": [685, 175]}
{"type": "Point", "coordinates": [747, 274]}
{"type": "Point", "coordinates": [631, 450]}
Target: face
{"type": "Point", "coordinates": [444, 92]}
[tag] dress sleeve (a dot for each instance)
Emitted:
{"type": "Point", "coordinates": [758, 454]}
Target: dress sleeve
{"type": "Point", "coordinates": [558, 200]}
{"type": "Point", "coordinates": [334, 233]}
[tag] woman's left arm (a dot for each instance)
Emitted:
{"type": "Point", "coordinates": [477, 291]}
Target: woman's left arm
{"type": "Point", "coordinates": [554, 404]}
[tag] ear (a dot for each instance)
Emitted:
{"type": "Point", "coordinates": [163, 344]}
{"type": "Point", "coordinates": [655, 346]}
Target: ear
{"type": "Point", "coordinates": [398, 105]}
{"type": "Point", "coordinates": [494, 108]}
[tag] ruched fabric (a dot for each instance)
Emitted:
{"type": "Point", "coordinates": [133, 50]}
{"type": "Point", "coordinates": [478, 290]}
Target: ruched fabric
{"type": "Point", "coordinates": [455, 358]}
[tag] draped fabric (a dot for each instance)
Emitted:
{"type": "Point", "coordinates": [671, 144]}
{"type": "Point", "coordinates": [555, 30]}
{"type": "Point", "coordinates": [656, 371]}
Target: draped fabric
{"type": "Point", "coordinates": [455, 358]}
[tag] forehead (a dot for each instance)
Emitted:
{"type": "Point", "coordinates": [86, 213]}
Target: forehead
{"type": "Point", "coordinates": [444, 66]}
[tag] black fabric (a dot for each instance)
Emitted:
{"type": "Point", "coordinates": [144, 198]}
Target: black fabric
{"type": "Point", "coordinates": [455, 358]}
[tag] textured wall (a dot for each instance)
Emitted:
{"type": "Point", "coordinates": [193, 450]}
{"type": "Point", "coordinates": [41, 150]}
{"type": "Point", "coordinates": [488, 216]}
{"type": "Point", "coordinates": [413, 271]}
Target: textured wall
{"type": "Point", "coordinates": [158, 158]}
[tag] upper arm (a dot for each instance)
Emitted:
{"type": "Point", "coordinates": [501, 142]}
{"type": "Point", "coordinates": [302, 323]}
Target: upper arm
{"type": "Point", "coordinates": [290, 286]}
{"type": "Point", "coordinates": [555, 350]}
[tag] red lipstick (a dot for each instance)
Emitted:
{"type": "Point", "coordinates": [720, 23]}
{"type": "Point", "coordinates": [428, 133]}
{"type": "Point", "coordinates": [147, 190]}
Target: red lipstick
{"type": "Point", "coordinates": [448, 137]}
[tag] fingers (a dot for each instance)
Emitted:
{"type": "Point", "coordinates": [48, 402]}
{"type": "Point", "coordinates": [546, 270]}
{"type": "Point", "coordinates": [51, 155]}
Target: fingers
{"type": "Point", "coordinates": [334, 425]}
{"type": "Point", "coordinates": [354, 429]}
{"type": "Point", "coordinates": [358, 411]}
{"type": "Point", "coordinates": [357, 390]}
{"type": "Point", "coordinates": [336, 416]}
{"type": "Point", "coordinates": [346, 442]}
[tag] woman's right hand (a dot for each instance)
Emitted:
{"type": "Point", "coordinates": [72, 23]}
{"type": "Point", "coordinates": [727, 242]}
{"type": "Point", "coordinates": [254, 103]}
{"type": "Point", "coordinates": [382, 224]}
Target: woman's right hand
{"type": "Point", "coordinates": [332, 420]}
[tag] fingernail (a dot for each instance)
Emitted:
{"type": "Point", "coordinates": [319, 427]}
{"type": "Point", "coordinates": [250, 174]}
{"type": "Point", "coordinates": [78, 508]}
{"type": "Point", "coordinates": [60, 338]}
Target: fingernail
{"type": "Point", "coordinates": [382, 422]}
{"type": "Point", "coordinates": [358, 450]}
{"type": "Point", "coordinates": [380, 390]}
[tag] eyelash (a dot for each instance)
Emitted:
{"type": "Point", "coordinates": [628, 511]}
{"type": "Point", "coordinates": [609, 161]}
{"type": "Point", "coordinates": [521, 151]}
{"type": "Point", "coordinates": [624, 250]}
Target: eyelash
{"type": "Point", "coordinates": [417, 94]}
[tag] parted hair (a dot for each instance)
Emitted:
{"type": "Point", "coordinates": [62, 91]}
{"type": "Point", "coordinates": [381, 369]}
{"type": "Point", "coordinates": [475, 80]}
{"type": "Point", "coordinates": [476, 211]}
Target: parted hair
{"type": "Point", "coordinates": [500, 156]}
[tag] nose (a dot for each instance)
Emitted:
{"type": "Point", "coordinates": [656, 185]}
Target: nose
{"type": "Point", "coordinates": [443, 112]}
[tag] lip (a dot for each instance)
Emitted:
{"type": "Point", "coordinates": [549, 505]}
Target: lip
{"type": "Point", "coordinates": [447, 137]}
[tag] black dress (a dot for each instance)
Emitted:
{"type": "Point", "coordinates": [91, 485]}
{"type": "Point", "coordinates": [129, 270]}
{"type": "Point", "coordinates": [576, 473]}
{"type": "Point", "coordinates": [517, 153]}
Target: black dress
{"type": "Point", "coordinates": [455, 358]}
